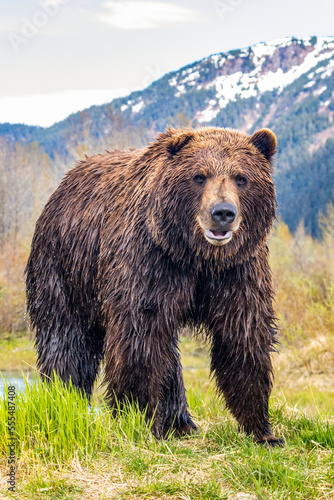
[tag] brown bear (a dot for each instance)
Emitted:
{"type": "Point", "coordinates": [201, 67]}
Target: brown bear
{"type": "Point", "coordinates": [134, 245]}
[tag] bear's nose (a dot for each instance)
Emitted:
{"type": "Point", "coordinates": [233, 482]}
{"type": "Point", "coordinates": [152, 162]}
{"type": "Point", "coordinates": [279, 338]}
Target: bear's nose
{"type": "Point", "coordinates": [223, 213]}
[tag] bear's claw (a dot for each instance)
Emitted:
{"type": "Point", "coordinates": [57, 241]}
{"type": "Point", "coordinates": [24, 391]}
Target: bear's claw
{"type": "Point", "coordinates": [185, 430]}
{"type": "Point", "coordinates": [271, 442]}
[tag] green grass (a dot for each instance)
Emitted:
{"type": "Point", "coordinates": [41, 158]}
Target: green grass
{"type": "Point", "coordinates": [314, 394]}
{"type": "Point", "coordinates": [67, 450]}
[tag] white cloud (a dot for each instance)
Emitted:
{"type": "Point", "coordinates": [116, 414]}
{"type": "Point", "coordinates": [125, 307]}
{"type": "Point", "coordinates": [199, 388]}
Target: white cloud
{"type": "Point", "coordinates": [142, 15]}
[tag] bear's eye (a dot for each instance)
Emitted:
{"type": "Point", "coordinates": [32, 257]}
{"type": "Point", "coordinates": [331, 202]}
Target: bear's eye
{"type": "Point", "coordinates": [199, 178]}
{"type": "Point", "coordinates": [241, 180]}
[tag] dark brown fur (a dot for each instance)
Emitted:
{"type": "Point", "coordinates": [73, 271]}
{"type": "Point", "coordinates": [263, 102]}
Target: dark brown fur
{"type": "Point", "coordinates": [119, 263]}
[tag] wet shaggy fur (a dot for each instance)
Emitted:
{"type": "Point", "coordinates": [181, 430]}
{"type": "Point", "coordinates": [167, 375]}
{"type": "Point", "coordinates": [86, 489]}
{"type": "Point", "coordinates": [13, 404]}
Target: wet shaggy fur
{"type": "Point", "coordinates": [119, 263]}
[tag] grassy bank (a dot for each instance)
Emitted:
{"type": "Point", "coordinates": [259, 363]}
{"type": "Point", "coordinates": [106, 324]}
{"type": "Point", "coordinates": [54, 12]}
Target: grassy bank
{"type": "Point", "coordinates": [67, 451]}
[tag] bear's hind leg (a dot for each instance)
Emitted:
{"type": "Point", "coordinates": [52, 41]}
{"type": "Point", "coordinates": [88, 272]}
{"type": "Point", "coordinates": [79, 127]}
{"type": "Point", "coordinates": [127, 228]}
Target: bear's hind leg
{"type": "Point", "coordinates": [68, 341]}
{"type": "Point", "coordinates": [67, 338]}
{"type": "Point", "coordinates": [70, 353]}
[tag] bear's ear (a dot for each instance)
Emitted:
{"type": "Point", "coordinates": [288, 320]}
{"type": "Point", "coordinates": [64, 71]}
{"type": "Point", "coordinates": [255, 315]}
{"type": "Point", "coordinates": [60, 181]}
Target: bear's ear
{"type": "Point", "coordinates": [265, 141]}
{"type": "Point", "coordinates": [175, 139]}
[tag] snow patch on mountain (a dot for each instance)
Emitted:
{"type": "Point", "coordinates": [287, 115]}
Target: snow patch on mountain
{"type": "Point", "coordinates": [137, 107]}
{"type": "Point", "coordinates": [245, 85]}
{"type": "Point", "coordinates": [248, 73]}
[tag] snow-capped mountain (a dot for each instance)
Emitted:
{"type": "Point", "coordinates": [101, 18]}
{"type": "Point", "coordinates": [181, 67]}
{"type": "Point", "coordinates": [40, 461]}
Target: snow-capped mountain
{"type": "Point", "coordinates": [268, 73]}
{"type": "Point", "coordinates": [243, 74]}
{"type": "Point", "coordinates": [287, 85]}
{"type": "Point", "coordinates": [202, 90]}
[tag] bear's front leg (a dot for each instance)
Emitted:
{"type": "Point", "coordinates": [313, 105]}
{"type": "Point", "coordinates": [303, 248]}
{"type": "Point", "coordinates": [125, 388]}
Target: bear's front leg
{"type": "Point", "coordinates": [243, 338]}
{"type": "Point", "coordinates": [176, 417]}
{"type": "Point", "coordinates": [244, 376]}
{"type": "Point", "coordinates": [145, 368]}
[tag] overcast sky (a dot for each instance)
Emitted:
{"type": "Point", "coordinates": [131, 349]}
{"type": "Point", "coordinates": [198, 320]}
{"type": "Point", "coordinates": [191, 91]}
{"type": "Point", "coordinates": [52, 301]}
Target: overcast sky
{"type": "Point", "coordinates": [60, 56]}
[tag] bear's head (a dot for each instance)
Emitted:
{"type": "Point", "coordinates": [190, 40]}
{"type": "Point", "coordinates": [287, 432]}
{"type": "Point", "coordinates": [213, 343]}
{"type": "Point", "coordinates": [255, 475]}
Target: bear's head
{"type": "Point", "coordinates": [211, 192]}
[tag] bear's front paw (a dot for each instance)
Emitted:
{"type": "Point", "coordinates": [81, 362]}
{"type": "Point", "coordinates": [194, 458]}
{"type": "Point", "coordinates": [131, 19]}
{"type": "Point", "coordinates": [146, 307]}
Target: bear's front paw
{"type": "Point", "coordinates": [185, 430]}
{"type": "Point", "coordinates": [271, 442]}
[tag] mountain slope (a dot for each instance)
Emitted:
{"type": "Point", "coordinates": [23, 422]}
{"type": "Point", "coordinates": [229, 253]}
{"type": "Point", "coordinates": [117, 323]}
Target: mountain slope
{"type": "Point", "coordinates": [287, 85]}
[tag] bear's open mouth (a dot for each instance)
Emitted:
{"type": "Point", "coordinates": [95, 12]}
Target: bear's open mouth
{"type": "Point", "coordinates": [218, 235]}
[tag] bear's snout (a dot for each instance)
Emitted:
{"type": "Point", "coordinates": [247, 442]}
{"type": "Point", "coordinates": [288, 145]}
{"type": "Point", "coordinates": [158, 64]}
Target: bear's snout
{"type": "Point", "coordinates": [219, 214]}
{"type": "Point", "coordinates": [223, 214]}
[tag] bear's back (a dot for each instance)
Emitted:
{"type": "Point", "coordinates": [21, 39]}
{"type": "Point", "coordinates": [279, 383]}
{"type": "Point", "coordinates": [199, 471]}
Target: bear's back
{"type": "Point", "coordinates": [68, 231]}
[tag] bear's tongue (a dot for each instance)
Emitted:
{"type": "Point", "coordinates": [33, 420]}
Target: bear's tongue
{"type": "Point", "coordinates": [218, 235]}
